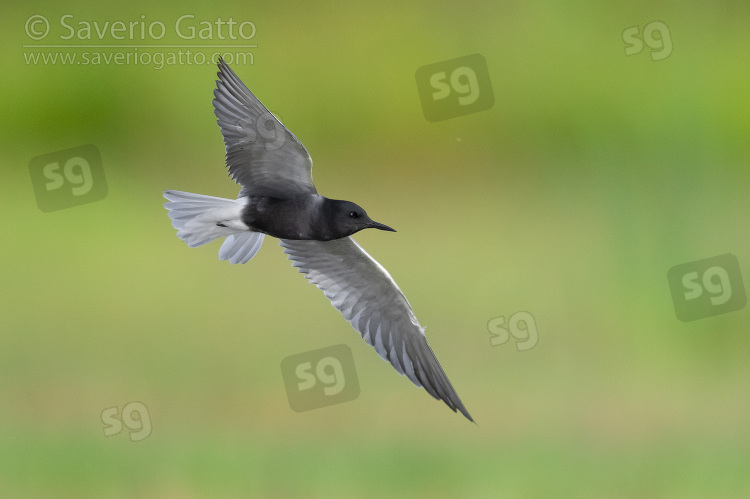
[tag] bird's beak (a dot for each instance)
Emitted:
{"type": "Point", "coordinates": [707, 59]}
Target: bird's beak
{"type": "Point", "coordinates": [376, 225]}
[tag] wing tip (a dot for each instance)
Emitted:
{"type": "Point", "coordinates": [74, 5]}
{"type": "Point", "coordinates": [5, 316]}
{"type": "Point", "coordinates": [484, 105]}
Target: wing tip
{"type": "Point", "coordinates": [223, 66]}
{"type": "Point", "coordinates": [460, 408]}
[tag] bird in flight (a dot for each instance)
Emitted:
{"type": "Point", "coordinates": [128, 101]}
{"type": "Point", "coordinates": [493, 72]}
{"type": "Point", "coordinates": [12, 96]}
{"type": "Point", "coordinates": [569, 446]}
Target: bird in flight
{"type": "Point", "coordinates": [278, 199]}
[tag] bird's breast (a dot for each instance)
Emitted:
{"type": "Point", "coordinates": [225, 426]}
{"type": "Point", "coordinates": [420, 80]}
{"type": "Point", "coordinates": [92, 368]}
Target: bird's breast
{"type": "Point", "coordinates": [282, 218]}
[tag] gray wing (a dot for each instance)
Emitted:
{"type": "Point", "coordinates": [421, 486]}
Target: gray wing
{"type": "Point", "coordinates": [367, 296]}
{"type": "Point", "coordinates": [262, 155]}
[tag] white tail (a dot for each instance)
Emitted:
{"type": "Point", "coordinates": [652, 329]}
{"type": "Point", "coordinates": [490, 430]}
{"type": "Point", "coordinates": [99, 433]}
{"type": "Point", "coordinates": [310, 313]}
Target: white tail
{"type": "Point", "coordinates": [200, 219]}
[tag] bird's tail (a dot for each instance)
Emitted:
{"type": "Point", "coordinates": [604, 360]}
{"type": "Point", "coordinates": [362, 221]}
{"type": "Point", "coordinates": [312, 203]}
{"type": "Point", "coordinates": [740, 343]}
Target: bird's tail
{"type": "Point", "coordinates": [200, 219]}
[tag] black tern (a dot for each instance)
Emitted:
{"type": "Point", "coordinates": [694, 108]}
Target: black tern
{"type": "Point", "coordinates": [278, 198]}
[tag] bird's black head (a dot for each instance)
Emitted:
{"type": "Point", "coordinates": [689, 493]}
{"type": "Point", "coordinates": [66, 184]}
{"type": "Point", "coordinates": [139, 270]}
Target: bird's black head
{"type": "Point", "coordinates": [345, 218]}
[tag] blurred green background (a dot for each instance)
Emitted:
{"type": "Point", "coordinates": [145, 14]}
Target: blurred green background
{"type": "Point", "coordinates": [593, 174]}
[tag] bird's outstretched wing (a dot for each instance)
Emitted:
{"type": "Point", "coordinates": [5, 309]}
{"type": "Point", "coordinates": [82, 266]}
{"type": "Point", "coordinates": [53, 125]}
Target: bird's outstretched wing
{"type": "Point", "coordinates": [262, 155]}
{"type": "Point", "coordinates": [367, 296]}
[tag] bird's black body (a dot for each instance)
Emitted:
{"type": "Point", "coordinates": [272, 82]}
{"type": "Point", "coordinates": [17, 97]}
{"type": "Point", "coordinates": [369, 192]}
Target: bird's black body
{"type": "Point", "coordinates": [308, 216]}
{"type": "Point", "coordinates": [283, 218]}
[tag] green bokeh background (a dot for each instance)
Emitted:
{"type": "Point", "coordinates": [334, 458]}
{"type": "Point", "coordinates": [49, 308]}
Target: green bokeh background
{"type": "Point", "coordinates": [593, 174]}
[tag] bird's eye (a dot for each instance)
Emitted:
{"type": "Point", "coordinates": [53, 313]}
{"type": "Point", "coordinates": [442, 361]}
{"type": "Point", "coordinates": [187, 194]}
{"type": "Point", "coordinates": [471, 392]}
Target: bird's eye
{"type": "Point", "coordinates": [353, 214]}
